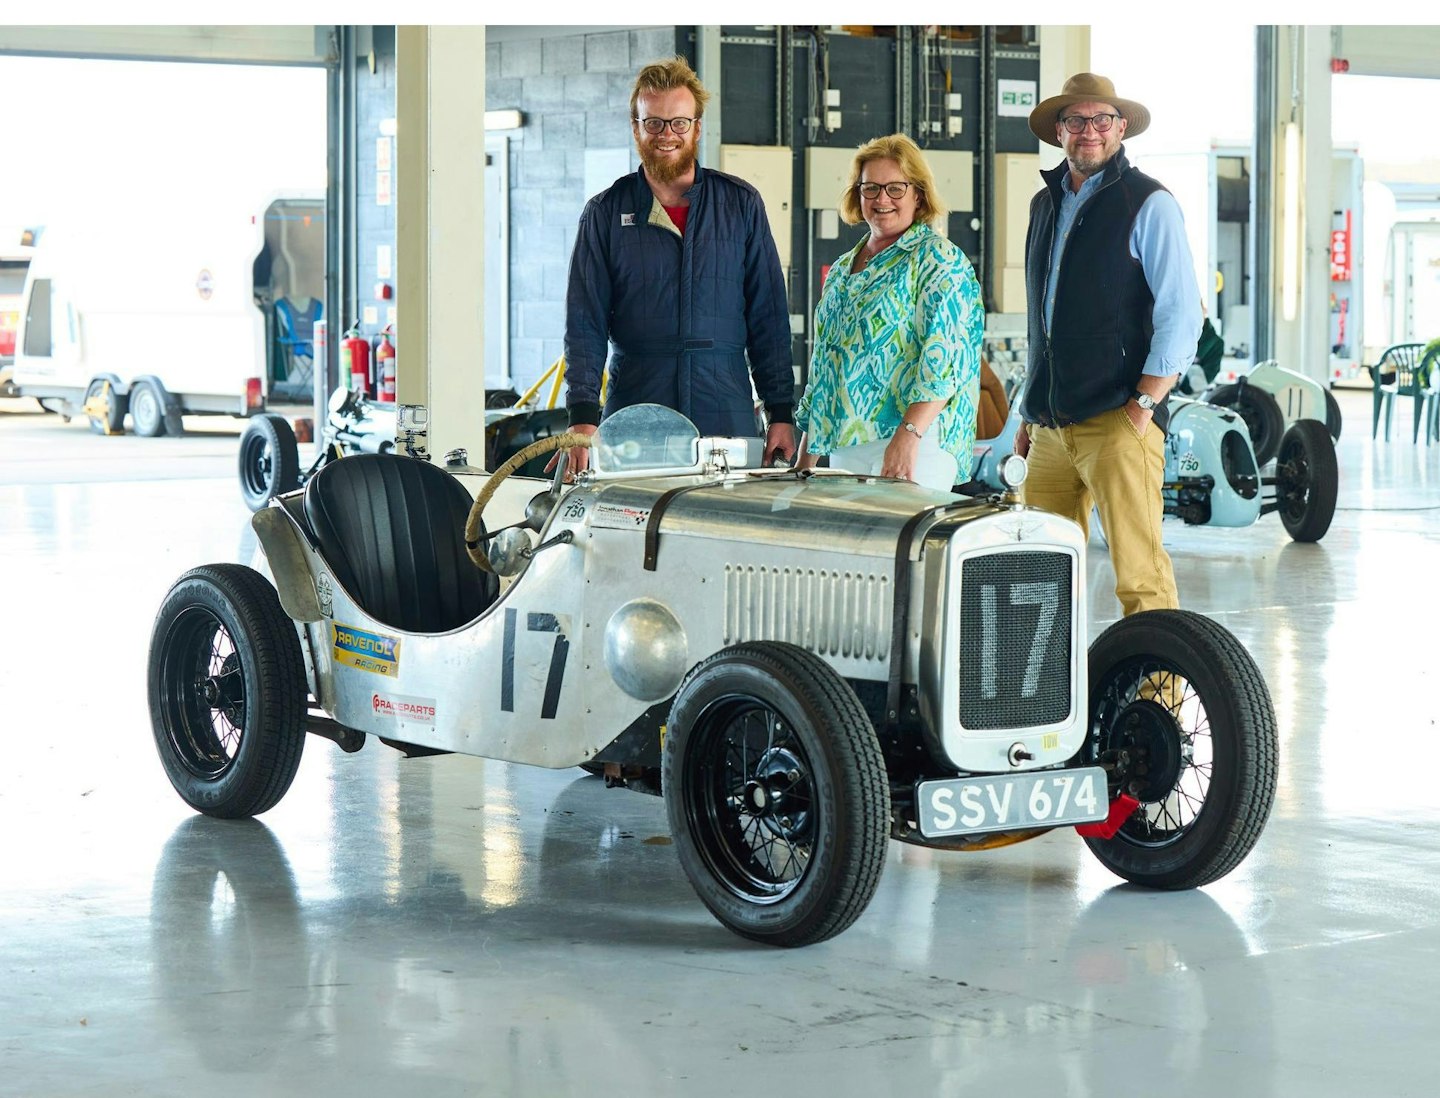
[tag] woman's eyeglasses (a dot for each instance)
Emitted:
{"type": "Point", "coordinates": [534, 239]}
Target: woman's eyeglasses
{"type": "Point", "coordinates": [894, 190]}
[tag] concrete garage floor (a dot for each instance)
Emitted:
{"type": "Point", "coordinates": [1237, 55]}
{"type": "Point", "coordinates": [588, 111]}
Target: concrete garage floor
{"type": "Point", "coordinates": [453, 926]}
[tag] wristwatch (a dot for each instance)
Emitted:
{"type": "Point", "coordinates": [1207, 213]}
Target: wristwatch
{"type": "Point", "coordinates": [911, 428]}
{"type": "Point", "coordinates": [1145, 400]}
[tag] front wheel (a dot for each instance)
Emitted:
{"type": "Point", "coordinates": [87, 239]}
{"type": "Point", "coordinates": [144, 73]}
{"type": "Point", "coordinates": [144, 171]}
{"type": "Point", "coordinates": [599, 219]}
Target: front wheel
{"type": "Point", "coordinates": [147, 409]}
{"type": "Point", "coordinates": [1261, 413]}
{"type": "Point", "coordinates": [227, 691]}
{"type": "Point", "coordinates": [269, 460]}
{"type": "Point", "coordinates": [776, 792]}
{"type": "Point", "coordinates": [1307, 480]}
{"type": "Point", "coordinates": [104, 408]}
{"type": "Point", "coordinates": [1181, 718]}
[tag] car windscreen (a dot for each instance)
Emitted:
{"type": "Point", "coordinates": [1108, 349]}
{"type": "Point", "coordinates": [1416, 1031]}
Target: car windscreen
{"type": "Point", "coordinates": [644, 436]}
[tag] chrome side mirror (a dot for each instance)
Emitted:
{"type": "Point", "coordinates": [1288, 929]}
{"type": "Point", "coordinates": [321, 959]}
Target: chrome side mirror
{"type": "Point", "coordinates": [507, 551]}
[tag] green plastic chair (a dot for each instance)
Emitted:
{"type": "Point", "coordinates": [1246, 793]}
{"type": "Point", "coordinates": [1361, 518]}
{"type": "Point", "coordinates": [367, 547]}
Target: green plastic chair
{"type": "Point", "coordinates": [1397, 374]}
{"type": "Point", "coordinates": [1428, 376]}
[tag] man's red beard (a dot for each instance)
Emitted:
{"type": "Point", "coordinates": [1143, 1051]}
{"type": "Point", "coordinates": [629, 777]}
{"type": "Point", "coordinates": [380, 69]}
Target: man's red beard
{"type": "Point", "coordinates": [666, 169]}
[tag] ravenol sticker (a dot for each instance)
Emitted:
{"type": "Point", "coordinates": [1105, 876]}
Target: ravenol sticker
{"type": "Point", "coordinates": [368, 651]}
{"type": "Point", "coordinates": [1189, 464]}
{"type": "Point", "coordinates": [404, 710]}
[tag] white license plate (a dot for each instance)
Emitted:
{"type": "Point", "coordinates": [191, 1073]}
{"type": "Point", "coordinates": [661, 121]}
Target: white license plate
{"type": "Point", "coordinates": [1000, 802]}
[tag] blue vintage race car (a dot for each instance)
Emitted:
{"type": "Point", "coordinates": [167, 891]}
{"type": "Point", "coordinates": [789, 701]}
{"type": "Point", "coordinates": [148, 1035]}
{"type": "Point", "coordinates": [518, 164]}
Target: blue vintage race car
{"type": "Point", "coordinates": [1212, 476]}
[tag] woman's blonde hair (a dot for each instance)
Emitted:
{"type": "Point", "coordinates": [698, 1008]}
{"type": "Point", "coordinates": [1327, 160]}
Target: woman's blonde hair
{"type": "Point", "coordinates": [901, 149]}
{"type": "Point", "coordinates": [662, 76]}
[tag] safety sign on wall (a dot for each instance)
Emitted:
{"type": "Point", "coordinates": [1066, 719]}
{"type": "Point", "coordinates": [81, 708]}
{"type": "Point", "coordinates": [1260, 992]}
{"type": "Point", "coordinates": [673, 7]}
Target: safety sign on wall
{"type": "Point", "coordinates": [1016, 98]}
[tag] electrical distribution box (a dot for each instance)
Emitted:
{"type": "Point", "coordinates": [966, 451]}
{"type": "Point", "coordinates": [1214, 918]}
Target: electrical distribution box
{"type": "Point", "coordinates": [770, 170]}
{"type": "Point", "coordinates": [1017, 178]}
{"type": "Point", "coordinates": [827, 171]}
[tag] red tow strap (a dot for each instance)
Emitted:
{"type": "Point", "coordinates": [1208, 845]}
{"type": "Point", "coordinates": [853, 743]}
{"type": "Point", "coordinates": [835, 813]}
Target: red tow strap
{"type": "Point", "coordinates": [1121, 809]}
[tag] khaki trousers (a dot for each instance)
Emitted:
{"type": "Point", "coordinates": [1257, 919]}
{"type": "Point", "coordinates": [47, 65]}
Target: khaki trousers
{"type": "Point", "coordinates": [1104, 462]}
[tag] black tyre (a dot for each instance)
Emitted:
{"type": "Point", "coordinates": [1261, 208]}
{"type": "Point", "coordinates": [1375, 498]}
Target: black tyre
{"type": "Point", "coordinates": [147, 409]}
{"type": "Point", "coordinates": [227, 691]}
{"type": "Point", "coordinates": [106, 408]}
{"type": "Point", "coordinates": [501, 398]}
{"type": "Point", "coordinates": [269, 460]}
{"type": "Point", "coordinates": [1261, 413]}
{"type": "Point", "coordinates": [1332, 415]}
{"type": "Point", "coordinates": [1307, 480]}
{"type": "Point", "coordinates": [1181, 717]}
{"type": "Point", "coordinates": [507, 437]}
{"type": "Point", "coordinates": [776, 792]}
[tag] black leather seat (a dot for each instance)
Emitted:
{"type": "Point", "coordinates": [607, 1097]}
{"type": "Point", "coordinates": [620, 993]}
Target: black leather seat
{"type": "Point", "coordinates": [392, 529]}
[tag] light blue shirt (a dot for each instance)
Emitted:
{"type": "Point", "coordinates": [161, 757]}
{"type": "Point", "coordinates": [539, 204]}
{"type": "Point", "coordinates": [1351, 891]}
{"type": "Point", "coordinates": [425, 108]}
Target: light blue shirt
{"type": "Point", "coordinates": [1158, 241]}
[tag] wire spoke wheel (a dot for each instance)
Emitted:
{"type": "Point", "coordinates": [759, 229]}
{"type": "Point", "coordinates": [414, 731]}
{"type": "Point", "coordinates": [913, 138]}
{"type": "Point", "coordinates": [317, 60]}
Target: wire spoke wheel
{"type": "Point", "coordinates": [756, 801]}
{"type": "Point", "coordinates": [1181, 719]}
{"type": "Point", "coordinates": [776, 792]}
{"type": "Point", "coordinates": [202, 671]}
{"type": "Point", "coordinates": [227, 691]}
{"type": "Point", "coordinates": [1150, 725]}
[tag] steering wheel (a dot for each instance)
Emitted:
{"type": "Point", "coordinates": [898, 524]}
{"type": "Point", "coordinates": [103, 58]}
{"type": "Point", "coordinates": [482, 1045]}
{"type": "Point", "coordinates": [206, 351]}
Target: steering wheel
{"type": "Point", "coordinates": [474, 543]}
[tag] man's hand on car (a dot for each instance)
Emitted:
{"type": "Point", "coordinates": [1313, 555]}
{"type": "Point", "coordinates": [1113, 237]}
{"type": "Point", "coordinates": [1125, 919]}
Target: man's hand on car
{"type": "Point", "coordinates": [579, 455]}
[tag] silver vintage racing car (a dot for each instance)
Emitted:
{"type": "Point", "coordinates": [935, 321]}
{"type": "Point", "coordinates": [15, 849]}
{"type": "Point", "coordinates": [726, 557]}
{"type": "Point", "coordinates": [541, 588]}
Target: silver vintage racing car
{"type": "Point", "coordinates": [805, 666]}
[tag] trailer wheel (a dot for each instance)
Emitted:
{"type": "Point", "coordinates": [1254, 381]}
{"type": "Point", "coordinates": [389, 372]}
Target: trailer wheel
{"type": "Point", "coordinates": [147, 409]}
{"type": "Point", "coordinates": [104, 408]}
{"type": "Point", "coordinates": [269, 460]}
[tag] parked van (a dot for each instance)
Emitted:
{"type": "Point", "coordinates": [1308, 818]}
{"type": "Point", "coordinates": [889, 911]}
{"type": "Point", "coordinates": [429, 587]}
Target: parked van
{"type": "Point", "coordinates": [14, 262]}
{"type": "Point", "coordinates": [197, 311]}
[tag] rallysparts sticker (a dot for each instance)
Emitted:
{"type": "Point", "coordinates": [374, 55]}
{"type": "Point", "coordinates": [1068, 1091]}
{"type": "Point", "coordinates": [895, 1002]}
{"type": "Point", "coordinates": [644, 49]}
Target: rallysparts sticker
{"type": "Point", "coordinates": [374, 652]}
{"type": "Point", "coordinates": [405, 711]}
{"type": "Point", "coordinates": [613, 516]}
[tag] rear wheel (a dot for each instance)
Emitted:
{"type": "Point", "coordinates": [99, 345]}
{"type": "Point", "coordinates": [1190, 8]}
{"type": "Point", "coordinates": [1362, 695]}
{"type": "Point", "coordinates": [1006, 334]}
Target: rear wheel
{"type": "Point", "coordinates": [777, 794]}
{"type": "Point", "coordinates": [147, 409]}
{"type": "Point", "coordinates": [1181, 718]}
{"type": "Point", "coordinates": [1307, 480]}
{"type": "Point", "coordinates": [1332, 415]}
{"type": "Point", "coordinates": [269, 460]}
{"type": "Point", "coordinates": [227, 691]}
{"type": "Point", "coordinates": [104, 408]}
{"type": "Point", "coordinates": [1261, 413]}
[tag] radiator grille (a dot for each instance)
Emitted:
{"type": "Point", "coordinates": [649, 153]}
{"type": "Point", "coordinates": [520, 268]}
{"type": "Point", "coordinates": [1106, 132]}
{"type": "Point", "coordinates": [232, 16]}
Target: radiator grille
{"type": "Point", "coordinates": [1015, 641]}
{"type": "Point", "coordinates": [831, 613]}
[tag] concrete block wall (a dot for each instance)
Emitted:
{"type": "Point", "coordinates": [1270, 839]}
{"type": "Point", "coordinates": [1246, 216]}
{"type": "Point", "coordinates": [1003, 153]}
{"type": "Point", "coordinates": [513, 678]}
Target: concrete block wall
{"type": "Point", "coordinates": [574, 91]}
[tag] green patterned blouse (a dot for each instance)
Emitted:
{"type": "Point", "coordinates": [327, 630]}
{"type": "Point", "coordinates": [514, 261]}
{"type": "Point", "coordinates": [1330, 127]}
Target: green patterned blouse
{"type": "Point", "coordinates": [907, 328]}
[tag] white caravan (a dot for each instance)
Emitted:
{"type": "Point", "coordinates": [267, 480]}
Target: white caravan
{"type": "Point", "coordinates": [190, 311]}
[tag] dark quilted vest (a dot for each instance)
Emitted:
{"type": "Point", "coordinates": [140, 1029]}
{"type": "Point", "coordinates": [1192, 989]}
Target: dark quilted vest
{"type": "Point", "coordinates": [1100, 332]}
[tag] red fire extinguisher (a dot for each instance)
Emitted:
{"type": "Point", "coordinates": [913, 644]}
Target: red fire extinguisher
{"type": "Point", "coordinates": [355, 361]}
{"type": "Point", "coordinates": [385, 366]}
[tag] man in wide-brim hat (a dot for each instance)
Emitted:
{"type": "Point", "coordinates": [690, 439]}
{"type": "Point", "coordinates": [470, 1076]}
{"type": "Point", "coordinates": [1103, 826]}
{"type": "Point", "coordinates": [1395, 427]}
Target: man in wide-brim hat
{"type": "Point", "coordinates": [1114, 316]}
